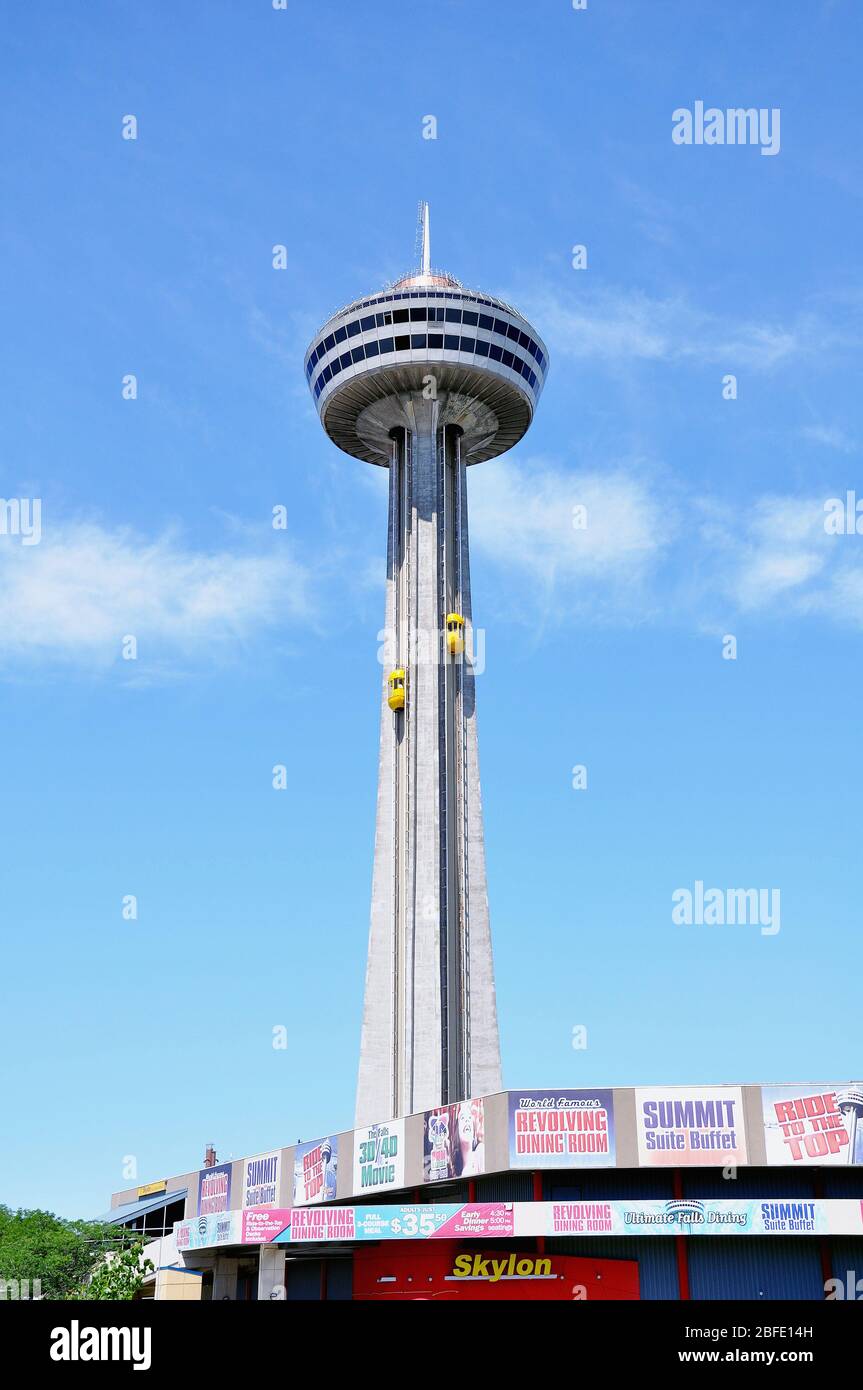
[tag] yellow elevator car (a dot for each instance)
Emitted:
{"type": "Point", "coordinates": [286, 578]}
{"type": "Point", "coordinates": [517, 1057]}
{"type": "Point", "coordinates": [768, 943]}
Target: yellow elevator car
{"type": "Point", "coordinates": [455, 633]}
{"type": "Point", "coordinates": [396, 697]}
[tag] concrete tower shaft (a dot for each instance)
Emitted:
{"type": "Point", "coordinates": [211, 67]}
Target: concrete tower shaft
{"type": "Point", "coordinates": [423, 379]}
{"type": "Point", "coordinates": [430, 1030]}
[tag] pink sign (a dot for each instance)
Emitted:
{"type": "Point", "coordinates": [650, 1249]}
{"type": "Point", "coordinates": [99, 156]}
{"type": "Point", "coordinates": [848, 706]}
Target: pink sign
{"type": "Point", "coordinates": [264, 1224]}
{"type": "Point", "coordinates": [480, 1219]}
{"type": "Point", "coordinates": [322, 1223]}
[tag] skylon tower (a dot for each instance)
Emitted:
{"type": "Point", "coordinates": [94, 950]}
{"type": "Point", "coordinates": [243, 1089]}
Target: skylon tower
{"type": "Point", "coordinates": [425, 378]}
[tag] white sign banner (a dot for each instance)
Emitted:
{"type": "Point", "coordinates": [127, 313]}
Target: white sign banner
{"type": "Point", "coordinates": [261, 1180]}
{"type": "Point", "coordinates": [379, 1157]}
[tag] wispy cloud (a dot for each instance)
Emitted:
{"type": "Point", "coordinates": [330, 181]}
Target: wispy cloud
{"type": "Point", "coordinates": [614, 324]}
{"type": "Point", "coordinates": [830, 436]}
{"type": "Point", "coordinates": [585, 543]}
{"type": "Point", "coordinates": [770, 559]}
{"type": "Point", "coordinates": [75, 596]}
{"type": "Point", "coordinates": [777, 559]}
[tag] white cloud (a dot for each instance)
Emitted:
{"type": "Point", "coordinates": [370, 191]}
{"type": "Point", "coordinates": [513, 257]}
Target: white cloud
{"type": "Point", "coordinates": [830, 436]}
{"type": "Point", "coordinates": [772, 558]}
{"type": "Point", "coordinates": [777, 559]}
{"type": "Point", "coordinates": [616, 324]}
{"type": "Point", "coordinates": [84, 587]}
{"type": "Point", "coordinates": [521, 518]}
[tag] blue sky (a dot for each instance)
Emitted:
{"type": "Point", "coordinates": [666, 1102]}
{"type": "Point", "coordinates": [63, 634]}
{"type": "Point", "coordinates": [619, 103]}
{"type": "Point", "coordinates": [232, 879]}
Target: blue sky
{"type": "Point", "coordinates": [256, 647]}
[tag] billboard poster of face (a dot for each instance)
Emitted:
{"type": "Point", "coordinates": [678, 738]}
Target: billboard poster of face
{"type": "Point", "coordinates": [454, 1141]}
{"type": "Point", "coordinates": [697, 1126]}
{"type": "Point", "coordinates": [807, 1124]}
{"type": "Point", "coordinates": [561, 1129]}
{"type": "Point", "coordinates": [261, 1179]}
{"type": "Point", "coordinates": [379, 1157]}
{"type": "Point", "coordinates": [315, 1171]}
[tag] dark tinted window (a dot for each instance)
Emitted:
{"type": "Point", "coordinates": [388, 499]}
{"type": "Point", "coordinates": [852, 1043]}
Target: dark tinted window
{"type": "Point", "coordinates": [468, 344]}
{"type": "Point", "coordinates": [481, 348]}
{"type": "Point", "coordinates": [345, 359]}
{"type": "Point", "coordinates": [494, 351]}
{"type": "Point", "coordinates": [353, 328]}
{"type": "Point", "coordinates": [512, 332]}
{"type": "Point", "coordinates": [386, 344]}
{"type": "Point", "coordinates": [400, 315]}
{"type": "Point", "coordinates": [453, 315]}
{"type": "Point", "coordinates": [372, 349]}
{"type": "Point", "coordinates": [435, 340]}
{"type": "Point", "coordinates": [485, 321]}
{"type": "Point", "coordinates": [470, 318]}
{"type": "Point", "coordinates": [340, 335]}
{"type": "Point", "coordinates": [450, 342]}
{"type": "Point", "coordinates": [329, 341]}
{"type": "Point", "coordinates": [508, 359]}
{"type": "Point", "coordinates": [418, 340]}
{"type": "Point", "coordinates": [358, 353]}
{"type": "Point", "coordinates": [327, 374]}
{"type": "Point", "coordinates": [418, 315]}
{"type": "Point", "coordinates": [402, 343]}
{"type": "Point", "coordinates": [500, 327]}
{"type": "Point", "coordinates": [367, 323]}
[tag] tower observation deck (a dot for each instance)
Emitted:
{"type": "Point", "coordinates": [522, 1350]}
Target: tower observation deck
{"type": "Point", "coordinates": [425, 378]}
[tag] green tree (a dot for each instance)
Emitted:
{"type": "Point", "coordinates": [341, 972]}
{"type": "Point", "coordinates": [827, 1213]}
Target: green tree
{"type": "Point", "coordinates": [118, 1275]}
{"type": "Point", "coordinates": [62, 1255]}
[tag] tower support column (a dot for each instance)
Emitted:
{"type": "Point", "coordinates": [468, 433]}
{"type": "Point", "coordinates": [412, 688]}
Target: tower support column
{"type": "Point", "coordinates": [430, 1023]}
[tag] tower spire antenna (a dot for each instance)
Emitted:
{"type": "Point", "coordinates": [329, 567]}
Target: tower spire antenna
{"type": "Point", "coordinates": [426, 252]}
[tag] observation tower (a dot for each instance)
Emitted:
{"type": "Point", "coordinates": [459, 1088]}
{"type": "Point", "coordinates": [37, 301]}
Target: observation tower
{"type": "Point", "coordinates": [425, 378]}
